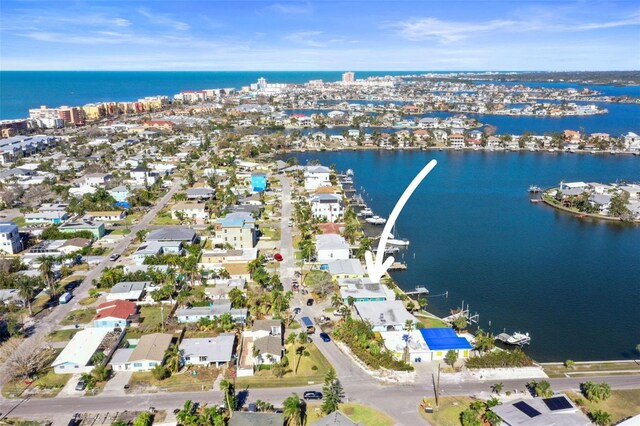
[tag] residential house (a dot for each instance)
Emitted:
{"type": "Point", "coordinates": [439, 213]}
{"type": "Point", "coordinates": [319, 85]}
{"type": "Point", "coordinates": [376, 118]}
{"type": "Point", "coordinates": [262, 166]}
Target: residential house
{"type": "Point", "coordinates": [53, 217]}
{"type": "Point", "coordinates": [442, 340]}
{"type": "Point", "coordinates": [10, 241]}
{"type": "Point", "coordinates": [388, 315]}
{"type": "Point", "coordinates": [362, 290]}
{"type": "Point", "coordinates": [200, 194]}
{"type": "Point", "coordinates": [238, 232]}
{"type": "Point", "coordinates": [97, 180]}
{"type": "Point", "coordinates": [73, 245]}
{"type": "Point", "coordinates": [148, 353]}
{"type": "Point", "coordinates": [337, 418]}
{"type": "Point", "coordinates": [115, 314]}
{"type": "Point", "coordinates": [217, 289]}
{"type": "Point", "coordinates": [153, 248]}
{"type": "Point", "coordinates": [196, 211]}
{"type": "Point", "coordinates": [216, 309]}
{"type": "Point", "coordinates": [128, 290]}
{"type": "Point", "coordinates": [258, 182]}
{"type": "Point", "coordinates": [106, 216]}
{"type": "Point", "coordinates": [316, 177]}
{"type": "Point", "coordinates": [262, 345]}
{"type": "Point", "coordinates": [142, 176]}
{"type": "Point", "coordinates": [184, 235]}
{"type": "Point", "coordinates": [557, 409]}
{"type": "Point", "coordinates": [457, 140]}
{"type": "Point", "coordinates": [234, 261]}
{"type": "Point", "coordinates": [327, 207]}
{"type": "Point", "coordinates": [76, 357]}
{"type": "Point", "coordinates": [345, 268]}
{"type": "Point", "coordinates": [97, 229]}
{"type": "Point", "coordinates": [208, 351]}
{"type": "Point", "coordinates": [246, 418]}
{"type": "Point", "coordinates": [331, 247]}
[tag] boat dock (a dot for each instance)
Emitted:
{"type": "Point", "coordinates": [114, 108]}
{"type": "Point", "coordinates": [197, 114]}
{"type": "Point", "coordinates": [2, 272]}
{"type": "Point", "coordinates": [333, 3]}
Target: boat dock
{"type": "Point", "coordinates": [418, 291]}
{"type": "Point", "coordinates": [517, 339]}
{"type": "Point", "coordinates": [398, 266]}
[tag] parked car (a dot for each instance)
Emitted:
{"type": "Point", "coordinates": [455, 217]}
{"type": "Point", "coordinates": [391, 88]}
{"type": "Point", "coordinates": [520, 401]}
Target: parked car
{"type": "Point", "coordinates": [114, 257]}
{"type": "Point", "coordinates": [65, 298]}
{"type": "Point", "coordinates": [290, 223]}
{"type": "Point", "coordinates": [309, 302]}
{"type": "Point", "coordinates": [325, 337]}
{"type": "Point", "coordinates": [312, 395]}
{"type": "Point", "coordinates": [81, 385]}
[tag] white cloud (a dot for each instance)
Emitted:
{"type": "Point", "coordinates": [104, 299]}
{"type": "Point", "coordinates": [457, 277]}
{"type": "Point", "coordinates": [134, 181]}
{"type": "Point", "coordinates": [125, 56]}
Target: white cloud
{"type": "Point", "coordinates": [452, 31]}
{"type": "Point", "coordinates": [291, 8]}
{"type": "Point", "coordinates": [306, 38]}
{"type": "Point", "coordinates": [164, 20]}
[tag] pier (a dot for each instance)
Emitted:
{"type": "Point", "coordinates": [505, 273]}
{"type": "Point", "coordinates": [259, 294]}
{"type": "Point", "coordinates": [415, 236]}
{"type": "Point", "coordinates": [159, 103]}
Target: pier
{"type": "Point", "coordinates": [398, 266]}
{"type": "Point", "coordinates": [418, 291]}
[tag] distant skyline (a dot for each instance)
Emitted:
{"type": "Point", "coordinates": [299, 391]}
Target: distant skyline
{"type": "Point", "coordinates": [225, 35]}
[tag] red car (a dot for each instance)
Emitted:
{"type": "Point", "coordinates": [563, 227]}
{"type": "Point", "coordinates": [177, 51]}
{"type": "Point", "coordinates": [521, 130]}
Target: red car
{"type": "Point", "coordinates": [278, 257]}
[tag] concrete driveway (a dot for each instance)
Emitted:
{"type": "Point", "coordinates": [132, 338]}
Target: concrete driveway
{"type": "Point", "coordinates": [69, 390]}
{"type": "Point", "coordinates": [115, 386]}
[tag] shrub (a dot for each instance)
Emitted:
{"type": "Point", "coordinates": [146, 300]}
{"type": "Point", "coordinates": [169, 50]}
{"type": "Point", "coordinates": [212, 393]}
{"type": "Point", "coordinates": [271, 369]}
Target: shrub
{"type": "Point", "coordinates": [160, 372]}
{"type": "Point", "coordinates": [500, 359]}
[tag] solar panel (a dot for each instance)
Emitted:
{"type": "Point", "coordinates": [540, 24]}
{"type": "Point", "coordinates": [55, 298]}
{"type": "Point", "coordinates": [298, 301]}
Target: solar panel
{"type": "Point", "coordinates": [527, 409]}
{"type": "Point", "coordinates": [557, 403]}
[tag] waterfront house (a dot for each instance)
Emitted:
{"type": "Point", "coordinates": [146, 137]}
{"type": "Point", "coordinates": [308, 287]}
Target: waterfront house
{"type": "Point", "coordinates": [215, 309]}
{"type": "Point", "coordinates": [208, 351]}
{"type": "Point", "coordinates": [117, 313]}
{"type": "Point", "coordinates": [456, 140]}
{"type": "Point", "coordinates": [327, 207]}
{"type": "Point", "coordinates": [148, 353]}
{"type": "Point", "coordinates": [331, 247]}
{"type": "Point", "coordinates": [388, 315]}
{"type": "Point", "coordinates": [361, 290]}
{"type": "Point", "coordinates": [399, 341]}
{"type": "Point", "coordinates": [316, 176]}
{"type": "Point", "coordinates": [345, 268]}
{"type": "Point", "coordinates": [442, 340]}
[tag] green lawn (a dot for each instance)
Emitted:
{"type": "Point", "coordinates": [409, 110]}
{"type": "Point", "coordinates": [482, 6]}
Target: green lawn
{"type": "Point", "coordinates": [270, 232]}
{"type": "Point", "coordinates": [88, 301]}
{"type": "Point", "coordinates": [429, 322]}
{"type": "Point", "coordinates": [358, 413]}
{"type": "Point", "coordinates": [121, 231]}
{"type": "Point", "coordinates": [80, 316]}
{"type": "Point", "coordinates": [151, 317]}
{"type": "Point", "coordinates": [62, 335]}
{"type": "Point", "coordinates": [448, 411]}
{"type": "Point", "coordinates": [164, 218]}
{"type": "Point", "coordinates": [621, 404]}
{"type": "Point", "coordinates": [305, 375]}
{"type": "Point", "coordinates": [20, 221]}
{"type": "Point", "coordinates": [184, 381]}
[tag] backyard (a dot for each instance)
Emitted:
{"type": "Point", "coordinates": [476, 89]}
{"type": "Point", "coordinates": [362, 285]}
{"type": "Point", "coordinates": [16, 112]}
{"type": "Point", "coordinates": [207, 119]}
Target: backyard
{"type": "Point", "coordinates": [80, 316]}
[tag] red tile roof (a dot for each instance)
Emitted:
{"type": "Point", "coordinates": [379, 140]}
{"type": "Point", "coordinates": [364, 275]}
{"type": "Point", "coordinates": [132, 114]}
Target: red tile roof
{"type": "Point", "coordinates": [116, 309]}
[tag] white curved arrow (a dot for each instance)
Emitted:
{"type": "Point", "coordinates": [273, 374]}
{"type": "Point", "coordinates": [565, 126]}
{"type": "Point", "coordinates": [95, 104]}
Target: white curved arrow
{"type": "Point", "coordinates": [377, 269]}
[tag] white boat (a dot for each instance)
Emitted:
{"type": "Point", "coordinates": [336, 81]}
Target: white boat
{"type": "Point", "coordinates": [376, 220]}
{"type": "Point", "coordinates": [397, 242]}
{"type": "Point", "coordinates": [518, 338]}
{"type": "Point", "coordinates": [366, 212]}
{"type": "Point", "coordinates": [349, 172]}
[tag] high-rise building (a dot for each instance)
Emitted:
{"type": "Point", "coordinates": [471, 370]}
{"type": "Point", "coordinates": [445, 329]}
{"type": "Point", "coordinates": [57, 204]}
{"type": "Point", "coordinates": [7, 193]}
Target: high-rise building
{"type": "Point", "coordinates": [348, 77]}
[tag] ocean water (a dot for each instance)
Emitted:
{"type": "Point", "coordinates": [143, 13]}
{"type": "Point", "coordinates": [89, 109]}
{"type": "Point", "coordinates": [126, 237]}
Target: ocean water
{"type": "Point", "coordinates": [573, 284]}
{"type": "Point", "coordinates": [21, 90]}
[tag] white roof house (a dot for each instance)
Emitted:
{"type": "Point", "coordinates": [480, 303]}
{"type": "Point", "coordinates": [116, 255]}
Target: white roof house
{"type": "Point", "coordinates": [316, 176]}
{"type": "Point", "coordinates": [76, 356]}
{"type": "Point", "coordinates": [346, 268]}
{"type": "Point", "coordinates": [330, 247]}
{"type": "Point", "coordinates": [555, 410]}
{"type": "Point", "coordinates": [388, 315]}
{"type": "Point", "coordinates": [208, 350]}
{"type": "Point", "coordinates": [362, 290]}
{"type": "Point", "coordinates": [128, 290]}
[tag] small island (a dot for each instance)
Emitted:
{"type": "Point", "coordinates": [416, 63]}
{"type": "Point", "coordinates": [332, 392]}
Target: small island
{"type": "Point", "coordinates": [618, 201]}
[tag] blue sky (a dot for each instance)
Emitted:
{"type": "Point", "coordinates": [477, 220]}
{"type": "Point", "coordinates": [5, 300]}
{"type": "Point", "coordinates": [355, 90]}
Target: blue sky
{"type": "Point", "coordinates": [319, 35]}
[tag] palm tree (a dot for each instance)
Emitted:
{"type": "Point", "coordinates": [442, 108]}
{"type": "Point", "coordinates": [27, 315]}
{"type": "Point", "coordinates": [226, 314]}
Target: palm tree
{"type": "Point", "coordinates": [497, 388]}
{"type": "Point", "coordinates": [46, 271]}
{"type": "Point", "coordinates": [336, 300]}
{"type": "Point", "coordinates": [27, 292]}
{"type": "Point", "coordinates": [294, 410]}
{"type": "Point", "coordinates": [229, 395]}
{"type": "Point", "coordinates": [173, 358]}
{"type": "Point", "coordinates": [187, 415]}
{"type": "Point", "coordinates": [601, 418]}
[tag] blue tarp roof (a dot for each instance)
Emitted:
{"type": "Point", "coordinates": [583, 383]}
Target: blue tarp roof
{"type": "Point", "coordinates": [439, 339]}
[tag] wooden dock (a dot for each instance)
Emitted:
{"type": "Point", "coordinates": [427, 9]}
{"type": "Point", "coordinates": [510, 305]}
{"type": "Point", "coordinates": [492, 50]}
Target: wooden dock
{"type": "Point", "coordinates": [398, 266]}
{"type": "Point", "coordinates": [418, 291]}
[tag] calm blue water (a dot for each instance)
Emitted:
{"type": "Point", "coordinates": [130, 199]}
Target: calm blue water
{"type": "Point", "coordinates": [573, 284]}
{"type": "Point", "coordinates": [21, 90]}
